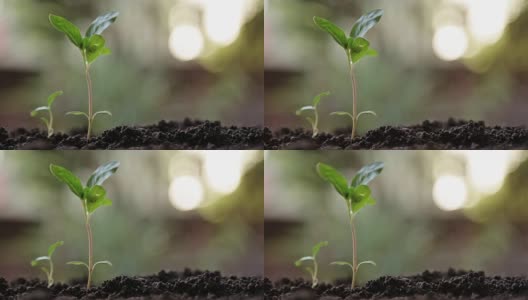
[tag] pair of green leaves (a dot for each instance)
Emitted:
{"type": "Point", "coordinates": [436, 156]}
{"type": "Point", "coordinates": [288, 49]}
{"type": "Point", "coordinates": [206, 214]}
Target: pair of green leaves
{"type": "Point", "coordinates": [51, 250]}
{"type": "Point", "coordinates": [313, 107]}
{"type": "Point", "coordinates": [357, 194]}
{"type": "Point", "coordinates": [47, 121]}
{"type": "Point", "coordinates": [93, 194]}
{"type": "Point", "coordinates": [355, 44]}
{"type": "Point", "coordinates": [92, 45]}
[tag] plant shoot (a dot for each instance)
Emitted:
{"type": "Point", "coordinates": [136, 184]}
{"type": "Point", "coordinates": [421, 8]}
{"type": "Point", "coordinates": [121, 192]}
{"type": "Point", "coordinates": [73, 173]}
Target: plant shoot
{"type": "Point", "coordinates": [48, 121]}
{"type": "Point", "coordinates": [356, 48]}
{"type": "Point", "coordinates": [39, 261]}
{"type": "Point", "coordinates": [315, 121]}
{"type": "Point", "coordinates": [356, 195]}
{"type": "Point", "coordinates": [313, 271]}
{"type": "Point", "coordinates": [92, 196]}
{"type": "Point", "coordinates": [92, 45]}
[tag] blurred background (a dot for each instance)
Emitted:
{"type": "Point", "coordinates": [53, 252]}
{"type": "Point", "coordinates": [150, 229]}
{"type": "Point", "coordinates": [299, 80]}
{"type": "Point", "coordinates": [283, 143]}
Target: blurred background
{"type": "Point", "coordinates": [435, 210]}
{"type": "Point", "coordinates": [171, 59]}
{"type": "Point", "coordinates": [171, 210]}
{"type": "Point", "coordinates": [437, 59]}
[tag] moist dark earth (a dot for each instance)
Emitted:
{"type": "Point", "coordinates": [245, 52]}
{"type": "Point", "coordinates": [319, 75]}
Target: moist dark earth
{"type": "Point", "coordinates": [164, 285]}
{"type": "Point", "coordinates": [189, 134]}
{"type": "Point", "coordinates": [453, 134]}
{"type": "Point", "coordinates": [428, 285]}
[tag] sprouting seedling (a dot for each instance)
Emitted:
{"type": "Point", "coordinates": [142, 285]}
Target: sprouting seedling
{"type": "Point", "coordinates": [313, 271]}
{"type": "Point", "coordinates": [315, 121]}
{"type": "Point", "coordinates": [355, 46]}
{"type": "Point", "coordinates": [92, 45]}
{"type": "Point", "coordinates": [356, 195]}
{"type": "Point", "coordinates": [48, 121]}
{"type": "Point", "coordinates": [39, 260]}
{"type": "Point", "coordinates": [355, 119]}
{"type": "Point", "coordinates": [92, 196]}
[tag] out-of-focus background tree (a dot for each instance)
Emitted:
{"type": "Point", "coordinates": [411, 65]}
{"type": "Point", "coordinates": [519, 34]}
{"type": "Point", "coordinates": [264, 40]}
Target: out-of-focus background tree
{"type": "Point", "coordinates": [435, 210]}
{"type": "Point", "coordinates": [437, 59]}
{"type": "Point", "coordinates": [171, 59]}
{"type": "Point", "coordinates": [171, 210]}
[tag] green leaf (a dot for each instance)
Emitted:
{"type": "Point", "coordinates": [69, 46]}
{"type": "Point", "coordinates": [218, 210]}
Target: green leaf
{"type": "Point", "coordinates": [342, 113]}
{"type": "Point", "coordinates": [103, 262]}
{"type": "Point", "coordinates": [95, 198]}
{"type": "Point", "coordinates": [342, 263]}
{"type": "Point", "coordinates": [102, 112]}
{"type": "Point", "coordinates": [335, 178]}
{"type": "Point", "coordinates": [366, 22]}
{"type": "Point", "coordinates": [298, 263]}
{"type": "Point", "coordinates": [51, 98]}
{"type": "Point", "coordinates": [77, 113]}
{"type": "Point", "coordinates": [359, 197]}
{"type": "Point", "coordinates": [366, 174]}
{"type": "Point", "coordinates": [337, 33]}
{"type": "Point", "coordinates": [95, 47]}
{"type": "Point", "coordinates": [72, 32]}
{"type": "Point", "coordinates": [67, 177]}
{"type": "Point", "coordinates": [36, 261]}
{"type": "Point", "coordinates": [52, 248]}
{"type": "Point", "coordinates": [316, 248]}
{"type": "Point", "coordinates": [366, 52]}
{"type": "Point", "coordinates": [304, 108]}
{"type": "Point", "coordinates": [78, 263]}
{"type": "Point", "coordinates": [370, 262]}
{"type": "Point", "coordinates": [102, 173]}
{"type": "Point", "coordinates": [34, 112]}
{"type": "Point", "coordinates": [317, 98]}
{"type": "Point", "coordinates": [358, 44]}
{"type": "Point", "coordinates": [101, 23]}
{"type": "Point", "coordinates": [367, 112]}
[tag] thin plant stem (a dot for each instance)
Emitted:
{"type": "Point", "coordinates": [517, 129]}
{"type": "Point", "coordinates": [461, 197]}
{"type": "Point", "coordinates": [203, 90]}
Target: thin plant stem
{"type": "Point", "coordinates": [90, 250]}
{"type": "Point", "coordinates": [50, 275]}
{"type": "Point", "coordinates": [354, 254]}
{"type": "Point", "coordinates": [315, 281]}
{"type": "Point", "coordinates": [354, 94]}
{"type": "Point", "coordinates": [50, 125]}
{"type": "Point", "coordinates": [316, 123]}
{"type": "Point", "coordinates": [90, 99]}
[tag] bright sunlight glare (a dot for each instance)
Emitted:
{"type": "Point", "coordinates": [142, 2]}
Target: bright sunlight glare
{"type": "Point", "coordinates": [487, 19]}
{"type": "Point", "coordinates": [186, 193]}
{"type": "Point", "coordinates": [186, 42]}
{"type": "Point", "coordinates": [450, 192]}
{"type": "Point", "coordinates": [223, 20]}
{"type": "Point", "coordinates": [487, 170]}
{"type": "Point", "coordinates": [450, 42]}
{"type": "Point", "coordinates": [223, 170]}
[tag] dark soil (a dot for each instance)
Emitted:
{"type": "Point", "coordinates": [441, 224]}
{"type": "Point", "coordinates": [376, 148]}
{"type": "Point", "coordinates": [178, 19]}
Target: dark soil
{"type": "Point", "coordinates": [188, 134]}
{"type": "Point", "coordinates": [428, 285]}
{"type": "Point", "coordinates": [453, 134]}
{"type": "Point", "coordinates": [164, 285]}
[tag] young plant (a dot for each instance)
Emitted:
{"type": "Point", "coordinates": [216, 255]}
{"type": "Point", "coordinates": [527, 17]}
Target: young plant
{"type": "Point", "coordinates": [92, 45]}
{"type": "Point", "coordinates": [356, 195]}
{"type": "Point", "coordinates": [38, 261]}
{"type": "Point", "coordinates": [315, 121]}
{"type": "Point", "coordinates": [47, 121]}
{"type": "Point", "coordinates": [355, 119]}
{"type": "Point", "coordinates": [355, 46]}
{"type": "Point", "coordinates": [312, 271]}
{"type": "Point", "coordinates": [92, 196]}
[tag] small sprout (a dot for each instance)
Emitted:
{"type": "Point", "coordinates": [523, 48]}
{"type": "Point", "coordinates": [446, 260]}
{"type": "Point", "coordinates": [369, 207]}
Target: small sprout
{"type": "Point", "coordinates": [38, 261]}
{"type": "Point", "coordinates": [356, 195]}
{"type": "Point", "coordinates": [355, 46]}
{"type": "Point", "coordinates": [92, 196]}
{"type": "Point", "coordinates": [92, 45]}
{"type": "Point", "coordinates": [47, 121]}
{"type": "Point", "coordinates": [356, 119]}
{"type": "Point", "coordinates": [354, 269]}
{"type": "Point", "coordinates": [313, 271]}
{"type": "Point", "coordinates": [314, 122]}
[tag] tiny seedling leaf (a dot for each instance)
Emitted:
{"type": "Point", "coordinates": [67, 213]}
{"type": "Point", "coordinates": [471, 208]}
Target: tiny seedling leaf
{"type": "Point", "coordinates": [300, 260]}
{"type": "Point", "coordinates": [95, 47]}
{"type": "Point", "coordinates": [103, 262]}
{"type": "Point", "coordinates": [356, 45]}
{"type": "Point", "coordinates": [357, 56]}
{"type": "Point", "coordinates": [335, 178]}
{"type": "Point", "coordinates": [36, 110]}
{"type": "Point", "coordinates": [366, 22]}
{"type": "Point", "coordinates": [368, 112]}
{"type": "Point", "coordinates": [52, 97]}
{"type": "Point", "coordinates": [359, 197]}
{"type": "Point", "coordinates": [367, 174]}
{"type": "Point", "coordinates": [101, 23]}
{"type": "Point", "coordinates": [36, 261]}
{"type": "Point", "coordinates": [67, 177]}
{"type": "Point", "coordinates": [342, 263]}
{"type": "Point", "coordinates": [102, 173]}
{"type": "Point", "coordinates": [77, 113]}
{"type": "Point", "coordinates": [317, 248]}
{"type": "Point", "coordinates": [92, 206]}
{"type": "Point", "coordinates": [69, 29]}
{"type": "Point", "coordinates": [78, 263]}
{"type": "Point", "coordinates": [95, 198]}
{"type": "Point", "coordinates": [304, 108]}
{"type": "Point", "coordinates": [342, 113]}
{"type": "Point", "coordinates": [367, 262]}
{"type": "Point", "coordinates": [337, 33]}
{"type": "Point", "coordinates": [318, 98]}
{"type": "Point", "coordinates": [103, 112]}
{"type": "Point", "coordinates": [53, 247]}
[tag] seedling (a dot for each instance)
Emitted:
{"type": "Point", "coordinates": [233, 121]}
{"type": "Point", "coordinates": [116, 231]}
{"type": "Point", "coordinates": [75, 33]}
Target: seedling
{"type": "Point", "coordinates": [355, 120]}
{"type": "Point", "coordinates": [356, 195]}
{"type": "Point", "coordinates": [92, 196]}
{"type": "Point", "coordinates": [92, 45]}
{"type": "Point", "coordinates": [312, 271]}
{"type": "Point", "coordinates": [356, 48]}
{"type": "Point", "coordinates": [315, 121]}
{"type": "Point", "coordinates": [38, 261]}
{"type": "Point", "coordinates": [47, 121]}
